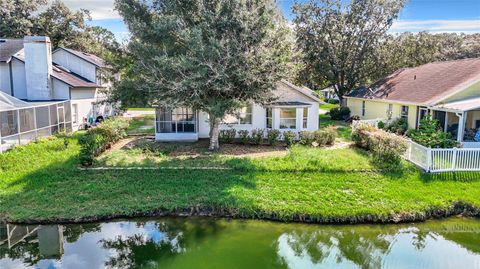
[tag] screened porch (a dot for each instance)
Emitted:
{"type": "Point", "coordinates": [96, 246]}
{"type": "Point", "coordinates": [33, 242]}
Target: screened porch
{"type": "Point", "coordinates": [461, 120]}
{"type": "Point", "coordinates": [22, 122]}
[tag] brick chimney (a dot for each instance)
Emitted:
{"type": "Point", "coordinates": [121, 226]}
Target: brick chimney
{"type": "Point", "coordinates": [38, 67]}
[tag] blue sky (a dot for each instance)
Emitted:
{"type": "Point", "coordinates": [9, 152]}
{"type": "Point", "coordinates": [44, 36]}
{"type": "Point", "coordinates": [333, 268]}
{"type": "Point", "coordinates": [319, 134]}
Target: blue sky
{"type": "Point", "coordinates": [418, 15]}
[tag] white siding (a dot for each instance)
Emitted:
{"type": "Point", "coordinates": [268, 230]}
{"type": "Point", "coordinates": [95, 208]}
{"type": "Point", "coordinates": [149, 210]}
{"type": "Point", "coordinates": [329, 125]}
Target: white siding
{"type": "Point", "coordinates": [61, 91]}
{"type": "Point", "coordinates": [75, 64]}
{"type": "Point", "coordinates": [19, 80]}
{"type": "Point", "coordinates": [5, 78]}
{"type": "Point", "coordinates": [259, 120]}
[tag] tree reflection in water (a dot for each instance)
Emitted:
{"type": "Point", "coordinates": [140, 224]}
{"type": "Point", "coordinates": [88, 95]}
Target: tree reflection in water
{"type": "Point", "coordinates": [208, 242]}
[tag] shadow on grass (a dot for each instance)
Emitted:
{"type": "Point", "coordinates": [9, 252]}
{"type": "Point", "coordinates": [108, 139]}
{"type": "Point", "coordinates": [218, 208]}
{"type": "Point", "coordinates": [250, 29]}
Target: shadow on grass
{"type": "Point", "coordinates": [59, 191]}
{"type": "Point", "coordinates": [452, 176]}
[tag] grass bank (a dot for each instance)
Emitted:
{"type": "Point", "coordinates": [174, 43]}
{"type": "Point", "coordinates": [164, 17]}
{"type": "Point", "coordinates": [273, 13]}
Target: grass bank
{"type": "Point", "coordinates": [40, 182]}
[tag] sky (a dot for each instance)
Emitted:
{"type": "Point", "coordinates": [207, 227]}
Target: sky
{"type": "Point", "coordinates": [418, 15]}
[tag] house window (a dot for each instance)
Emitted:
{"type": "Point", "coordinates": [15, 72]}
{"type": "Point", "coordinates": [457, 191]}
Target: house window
{"type": "Point", "coordinates": [305, 118]}
{"type": "Point", "coordinates": [178, 120]}
{"type": "Point", "coordinates": [269, 118]}
{"type": "Point", "coordinates": [363, 108]}
{"type": "Point", "coordinates": [390, 111]}
{"type": "Point", "coordinates": [242, 116]}
{"type": "Point", "coordinates": [288, 118]}
{"type": "Point", "coordinates": [404, 112]}
{"type": "Point", "coordinates": [75, 113]}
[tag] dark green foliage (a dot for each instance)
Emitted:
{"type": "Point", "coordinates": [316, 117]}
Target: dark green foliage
{"type": "Point", "coordinates": [333, 101]}
{"type": "Point", "coordinates": [289, 137]}
{"type": "Point", "coordinates": [339, 113]}
{"type": "Point", "coordinates": [211, 56]}
{"type": "Point", "coordinates": [227, 136]}
{"type": "Point", "coordinates": [381, 125]}
{"type": "Point", "coordinates": [98, 139]}
{"type": "Point", "coordinates": [273, 135]}
{"type": "Point", "coordinates": [243, 136]}
{"type": "Point", "coordinates": [430, 135]}
{"type": "Point", "coordinates": [257, 136]}
{"type": "Point", "coordinates": [339, 39]}
{"type": "Point", "coordinates": [398, 126]}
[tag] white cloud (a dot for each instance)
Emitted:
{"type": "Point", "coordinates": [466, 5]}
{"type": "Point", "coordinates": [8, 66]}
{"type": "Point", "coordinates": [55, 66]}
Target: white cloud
{"type": "Point", "coordinates": [99, 9]}
{"type": "Point", "coordinates": [466, 26]}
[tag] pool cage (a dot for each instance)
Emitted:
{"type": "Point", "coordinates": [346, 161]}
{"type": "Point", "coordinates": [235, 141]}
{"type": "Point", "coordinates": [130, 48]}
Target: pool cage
{"type": "Point", "coordinates": [22, 122]}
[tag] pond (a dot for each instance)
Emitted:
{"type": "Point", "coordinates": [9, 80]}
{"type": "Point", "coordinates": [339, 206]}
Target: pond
{"type": "Point", "coordinates": [222, 243]}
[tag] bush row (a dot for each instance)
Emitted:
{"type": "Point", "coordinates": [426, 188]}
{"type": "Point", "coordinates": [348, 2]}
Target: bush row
{"type": "Point", "coordinates": [339, 113]}
{"type": "Point", "coordinates": [100, 138]}
{"type": "Point", "coordinates": [321, 137]}
{"type": "Point", "coordinates": [387, 148]}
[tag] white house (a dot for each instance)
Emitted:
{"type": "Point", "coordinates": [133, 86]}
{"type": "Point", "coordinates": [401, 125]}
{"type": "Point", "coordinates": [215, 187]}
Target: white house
{"type": "Point", "coordinates": [296, 109]}
{"type": "Point", "coordinates": [43, 92]}
{"type": "Point", "coordinates": [329, 93]}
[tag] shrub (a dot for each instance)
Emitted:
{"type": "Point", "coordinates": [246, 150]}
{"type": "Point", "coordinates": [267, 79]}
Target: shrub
{"type": "Point", "coordinates": [325, 136]}
{"type": "Point", "coordinates": [100, 138]}
{"type": "Point", "coordinates": [339, 113]}
{"type": "Point", "coordinates": [398, 126]}
{"type": "Point", "coordinates": [227, 136]}
{"type": "Point", "coordinates": [243, 135]}
{"type": "Point", "coordinates": [430, 135]}
{"type": "Point", "coordinates": [289, 137]}
{"type": "Point", "coordinates": [333, 101]}
{"type": "Point", "coordinates": [387, 148]}
{"type": "Point", "coordinates": [306, 137]}
{"type": "Point", "coordinates": [273, 135]}
{"type": "Point", "coordinates": [381, 125]}
{"type": "Point", "coordinates": [257, 136]}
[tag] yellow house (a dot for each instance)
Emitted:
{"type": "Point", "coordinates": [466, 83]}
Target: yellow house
{"type": "Point", "coordinates": [449, 91]}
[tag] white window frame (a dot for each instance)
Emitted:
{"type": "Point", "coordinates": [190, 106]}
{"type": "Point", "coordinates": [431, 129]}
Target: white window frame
{"type": "Point", "coordinates": [404, 113]}
{"type": "Point", "coordinates": [305, 118]}
{"type": "Point", "coordinates": [281, 119]}
{"type": "Point", "coordinates": [267, 117]}
{"type": "Point", "coordinates": [74, 113]}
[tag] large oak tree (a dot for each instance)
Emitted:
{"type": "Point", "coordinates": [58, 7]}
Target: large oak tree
{"type": "Point", "coordinates": [339, 41]}
{"type": "Point", "coordinates": [210, 55]}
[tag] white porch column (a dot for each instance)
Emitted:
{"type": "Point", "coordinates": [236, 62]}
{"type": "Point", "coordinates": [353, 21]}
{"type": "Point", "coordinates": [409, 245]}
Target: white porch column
{"type": "Point", "coordinates": [461, 125]}
{"type": "Point", "coordinates": [446, 122]}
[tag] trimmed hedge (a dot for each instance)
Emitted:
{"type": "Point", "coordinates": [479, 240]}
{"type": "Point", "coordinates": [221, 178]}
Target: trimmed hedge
{"type": "Point", "coordinates": [100, 138]}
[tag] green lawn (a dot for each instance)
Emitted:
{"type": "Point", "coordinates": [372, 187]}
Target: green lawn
{"type": "Point", "coordinates": [344, 130]}
{"type": "Point", "coordinates": [328, 106]}
{"type": "Point", "coordinates": [142, 125]}
{"type": "Point", "coordinates": [41, 181]}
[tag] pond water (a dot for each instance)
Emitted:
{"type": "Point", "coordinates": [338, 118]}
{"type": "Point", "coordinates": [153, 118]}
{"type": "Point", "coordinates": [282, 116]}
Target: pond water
{"type": "Point", "coordinates": [220, 243]}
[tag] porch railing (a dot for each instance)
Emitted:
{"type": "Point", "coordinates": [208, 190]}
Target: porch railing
{"type": "Point", "coordinates": [443, 160]}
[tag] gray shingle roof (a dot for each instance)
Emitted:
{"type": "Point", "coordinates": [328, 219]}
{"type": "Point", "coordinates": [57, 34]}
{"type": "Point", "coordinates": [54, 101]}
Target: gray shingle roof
{"type": "Point", "coordinates": [9, 47]}
{"type": "Point", "coordinates": [93, 59]}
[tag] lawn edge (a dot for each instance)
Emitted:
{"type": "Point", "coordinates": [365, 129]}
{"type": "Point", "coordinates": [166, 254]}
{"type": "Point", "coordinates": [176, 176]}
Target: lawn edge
{"type": "Point", "coordinates": [458, 208]}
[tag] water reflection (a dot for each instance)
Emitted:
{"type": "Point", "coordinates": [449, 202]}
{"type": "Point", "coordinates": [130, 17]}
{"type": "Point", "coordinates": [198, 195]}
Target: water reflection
{"type": "Point", "coordinates": [213, 243]}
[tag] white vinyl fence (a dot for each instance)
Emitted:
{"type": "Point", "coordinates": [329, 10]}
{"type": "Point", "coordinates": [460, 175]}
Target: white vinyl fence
{"type": "Point", "coordinates": [443, 160]}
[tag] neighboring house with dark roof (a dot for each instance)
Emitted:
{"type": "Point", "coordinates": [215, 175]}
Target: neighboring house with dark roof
{"type": "Point", "coordinates": [30, 72]}
{"type": "Point", "coordinates": [295, 109]}
{"type": "Point", "coordinates": [449, 90]}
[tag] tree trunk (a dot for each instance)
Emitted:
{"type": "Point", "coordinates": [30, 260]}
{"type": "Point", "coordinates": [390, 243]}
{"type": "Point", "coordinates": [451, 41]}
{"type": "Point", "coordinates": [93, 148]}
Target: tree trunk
{"type": "Point", "coordinates": [214, 133]}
